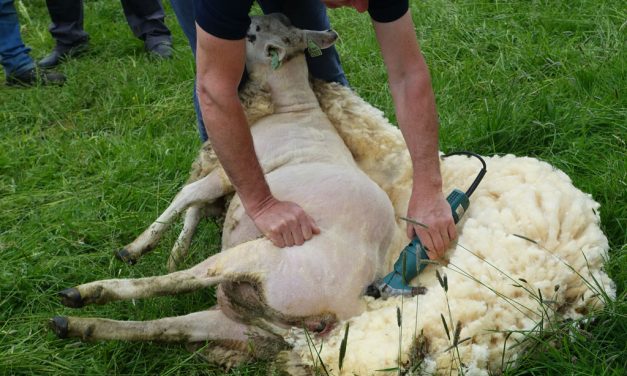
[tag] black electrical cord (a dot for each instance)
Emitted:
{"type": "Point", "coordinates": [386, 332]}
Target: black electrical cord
{"type": "Point", "coordinates": [479, 177]}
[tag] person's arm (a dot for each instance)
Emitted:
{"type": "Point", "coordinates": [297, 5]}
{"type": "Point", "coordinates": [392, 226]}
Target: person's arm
{"type": "Point", "coordinates": [410, 85]}
{"type": "Point", "coordinates": [220, 64]}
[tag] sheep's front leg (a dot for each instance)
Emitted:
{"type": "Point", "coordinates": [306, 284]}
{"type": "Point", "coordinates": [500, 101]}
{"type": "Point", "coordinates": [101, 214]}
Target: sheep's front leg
{"type": "Point", "coordinates": [102, 292]}
{"type": "Point", "coordinates": [197, 194]}
{"type": "Point", "coordinates": [193, 215]}
{"type": "Point", "coordinates": [244, 260]}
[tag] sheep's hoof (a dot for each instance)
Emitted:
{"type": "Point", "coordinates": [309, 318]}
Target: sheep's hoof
{"type": "Point", "coordinates": [59, 326]}
{"type": "Point", "coordinates": [125, 256]}
{"type": "Point", "coordinates": [71, 298]}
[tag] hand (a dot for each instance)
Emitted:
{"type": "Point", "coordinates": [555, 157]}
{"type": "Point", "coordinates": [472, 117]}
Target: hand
{"type": "Point", "coordinates": [435, 212]}
{"type": "Point", "coordinates": [284, 222]}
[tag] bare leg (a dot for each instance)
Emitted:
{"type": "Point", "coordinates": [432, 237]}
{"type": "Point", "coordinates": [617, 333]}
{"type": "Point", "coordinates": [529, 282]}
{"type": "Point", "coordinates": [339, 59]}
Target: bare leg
{"type": "Point", "coordinates": [198, 193]}
{"type": "Point", "coordinates": [101, 292]}
{"type": "Point", "coordinates": [179, 252]}
{"type": "Point", "coordinates": [211, 325]}
{"type": "Point", "coordinates": [254, 256]}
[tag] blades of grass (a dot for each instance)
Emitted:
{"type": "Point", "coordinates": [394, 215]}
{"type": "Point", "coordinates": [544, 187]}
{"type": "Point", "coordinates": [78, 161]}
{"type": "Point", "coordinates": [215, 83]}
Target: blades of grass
{"type": "Point", "coordinates": [445, 327]}
{"type": "Point", "coordinates": [414, 222]}
{"type": "Point", "coordinates": [343, 346]}
{"type": "Point", "coordinates": [387, 369]}
{"type": "Point", "coordinates": [458, 343]}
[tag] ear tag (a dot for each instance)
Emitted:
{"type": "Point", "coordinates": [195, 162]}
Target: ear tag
{"type": "Point", "coordinates": [276, 63]}
{"type": "Point", "coordinates": [314, 50]}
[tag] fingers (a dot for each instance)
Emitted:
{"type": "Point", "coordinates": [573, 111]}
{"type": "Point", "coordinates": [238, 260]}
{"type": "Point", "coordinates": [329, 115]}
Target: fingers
{"type": "Point", "coordinates": [285, 224]}
{"type": "Point", "coordinates": [308, 228]}
{"type": "Point", "coordinates": [295, 234]}
{"type": "Point", "coordinates": [452, 231]}
{"type": "Point", "coordinates": [435, 242]}
{"type": "Point", "coordinates": [436, 238]}
{"type": "Point", "coordinates": [276, 238]}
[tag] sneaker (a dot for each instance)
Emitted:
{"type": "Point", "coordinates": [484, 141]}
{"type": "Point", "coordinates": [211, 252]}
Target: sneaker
{"type": "Point", "coordinates": [35, 76]}
{"type": "Point", "coordinates": [162, 50]}
{"type": "Point", "coordinates": [61, 52]}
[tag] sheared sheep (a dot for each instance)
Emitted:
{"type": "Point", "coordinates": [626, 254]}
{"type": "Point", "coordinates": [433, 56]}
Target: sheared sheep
{"type": "Point", "coordinates": [529, 250]}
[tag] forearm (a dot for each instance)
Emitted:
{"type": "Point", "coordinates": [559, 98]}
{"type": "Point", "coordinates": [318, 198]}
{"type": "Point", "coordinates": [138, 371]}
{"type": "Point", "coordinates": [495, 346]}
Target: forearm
{"type": "Point", "coordinates": [220, 64]}
{"type": "Point", "coordinates": [410, 85]}
{"type": "Point", "coordinates": [417, 118]}
{"type": "Point", "coordinates": [231, 139]}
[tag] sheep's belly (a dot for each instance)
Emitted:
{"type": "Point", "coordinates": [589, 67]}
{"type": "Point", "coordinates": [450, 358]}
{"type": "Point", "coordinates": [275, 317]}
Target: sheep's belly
{"type": "Point", "coordinates": [329, 272]}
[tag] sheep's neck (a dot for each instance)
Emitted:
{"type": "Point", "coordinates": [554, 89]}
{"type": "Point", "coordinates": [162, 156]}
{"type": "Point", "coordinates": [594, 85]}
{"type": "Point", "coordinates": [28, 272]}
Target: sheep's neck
{"type": "Point", "coordinates": [289, 86]}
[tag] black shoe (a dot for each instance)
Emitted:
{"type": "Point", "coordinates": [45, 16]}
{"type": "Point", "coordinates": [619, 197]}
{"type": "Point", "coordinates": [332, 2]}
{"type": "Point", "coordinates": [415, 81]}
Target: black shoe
{"type": "Point", "coordinates": [36, 76]}
{"type": "Point", "coordinates": [61, 52]}
{"type": "Point", "coordinates": [162, 50]}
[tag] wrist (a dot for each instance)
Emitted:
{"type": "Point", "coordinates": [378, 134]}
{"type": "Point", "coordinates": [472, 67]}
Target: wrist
{"type": "Point", "coordinates": [427, 185]}
{"type": "Point", "coordinates": [256, 202]}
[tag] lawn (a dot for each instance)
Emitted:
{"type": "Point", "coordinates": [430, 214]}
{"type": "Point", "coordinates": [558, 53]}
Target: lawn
{"type": "Point", "coordinates": [86, 167]}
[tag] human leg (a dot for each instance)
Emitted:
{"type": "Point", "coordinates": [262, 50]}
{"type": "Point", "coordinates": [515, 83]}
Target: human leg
{"type": "Point", "coordinates": [67, 22]}
{"type": "Point", "coordinates": [146, 18]}
{"type": "Point", "coordinates": [184, 11]}
{"type": "Point", "coordinates": [19, 67]}
{"type": "Point", "coordinates": [14, 55]}
{"type": "Point", "coordinates": [67, 30]}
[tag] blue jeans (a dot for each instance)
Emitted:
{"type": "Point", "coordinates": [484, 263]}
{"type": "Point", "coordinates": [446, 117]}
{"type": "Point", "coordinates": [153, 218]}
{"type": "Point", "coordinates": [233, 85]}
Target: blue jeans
{"type": "Point", "coordinates": [305, 14]}
{"type": "Point", "coordinates": [13, 53]}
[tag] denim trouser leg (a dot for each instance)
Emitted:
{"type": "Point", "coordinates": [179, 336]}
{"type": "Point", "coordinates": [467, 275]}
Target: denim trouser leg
{"type": "Point", "coordinates": [67, 21]}
{"type": "Point", "coordinates": [184, 11]}
{"type": "Point", "coordinates": [13, 53]}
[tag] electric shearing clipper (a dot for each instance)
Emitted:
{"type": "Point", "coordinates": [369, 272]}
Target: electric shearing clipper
{"type": "Point", "coordinates": [409, 263]}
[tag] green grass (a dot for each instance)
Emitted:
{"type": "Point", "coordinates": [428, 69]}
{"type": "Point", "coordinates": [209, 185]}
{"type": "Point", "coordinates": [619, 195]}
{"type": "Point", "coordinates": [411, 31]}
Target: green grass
{"type": "Point", "coordinates": [86, 167]}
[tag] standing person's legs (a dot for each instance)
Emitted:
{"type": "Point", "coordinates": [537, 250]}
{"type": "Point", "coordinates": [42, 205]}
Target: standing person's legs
{"type": "Point", "coordinates": [184, 11]}
{"type": "Point", "coordinates": [13, 53]}
{"type": "Point", "coordinates": [146, 18]}
{"type": "Point", "coordinates": [67, 22]}
{"type": "Point", "coordinates": [67, 30]}
{"type": "Point", "coordinates": [312, 15]}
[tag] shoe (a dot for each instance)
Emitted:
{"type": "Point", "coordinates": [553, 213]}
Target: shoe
{"type": "Point", "coordinates": [36, 76]}
{"type": "Point", "coordinates": [61, 52]}
{"type": "Point", "coordinates": [162, 50]}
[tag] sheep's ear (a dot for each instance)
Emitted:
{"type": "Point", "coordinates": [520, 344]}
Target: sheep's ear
{"type": "Point", "coordinates": [323, 39]}
{"type": "Point", "coordinates": [275, 54]}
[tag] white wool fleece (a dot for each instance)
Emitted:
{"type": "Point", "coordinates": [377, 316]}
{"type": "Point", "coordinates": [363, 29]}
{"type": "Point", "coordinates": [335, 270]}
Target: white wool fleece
{"type": "Point", "coordinates": [528, 231]}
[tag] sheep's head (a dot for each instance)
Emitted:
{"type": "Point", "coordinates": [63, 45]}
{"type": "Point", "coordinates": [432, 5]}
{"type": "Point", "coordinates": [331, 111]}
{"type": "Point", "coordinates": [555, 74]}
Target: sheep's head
{"type": "Point", "coordinates": [272, 40]}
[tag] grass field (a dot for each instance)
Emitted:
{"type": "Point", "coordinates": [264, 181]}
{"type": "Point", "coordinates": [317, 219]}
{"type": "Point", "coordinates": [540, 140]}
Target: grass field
{"type": "Point", "coordinates": [84, 168]}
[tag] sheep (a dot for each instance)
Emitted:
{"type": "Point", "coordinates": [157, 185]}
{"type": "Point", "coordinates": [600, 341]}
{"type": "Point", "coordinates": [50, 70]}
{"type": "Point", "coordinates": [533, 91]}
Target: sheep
{"type": "Point", "coordinates": [263, 287]}
{"type": "Point", "coordinates": [528, 249]}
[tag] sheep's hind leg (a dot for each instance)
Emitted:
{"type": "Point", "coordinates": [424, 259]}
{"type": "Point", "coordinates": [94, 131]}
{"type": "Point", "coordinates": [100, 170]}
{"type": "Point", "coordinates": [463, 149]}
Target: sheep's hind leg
{"type": "Point", "coordinates": [104, 291]}
{"type": "Point", "coordinates": [243, 341]}
{"type": "Point", "coordinates": [199, 193]}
